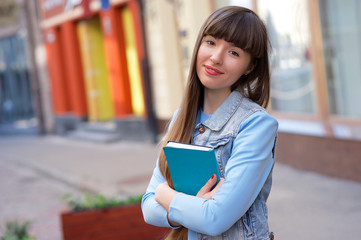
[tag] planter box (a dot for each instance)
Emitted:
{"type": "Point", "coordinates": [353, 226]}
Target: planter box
{"type": "Point", "coordinates": [116, 223]}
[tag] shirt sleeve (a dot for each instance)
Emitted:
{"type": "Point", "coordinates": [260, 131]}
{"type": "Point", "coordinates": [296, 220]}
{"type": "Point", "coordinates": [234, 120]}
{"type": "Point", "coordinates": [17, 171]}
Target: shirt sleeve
{"type": "Point", "coordinates": [153, 212]}
{"type": "Point", "coordinates": [246, 171]}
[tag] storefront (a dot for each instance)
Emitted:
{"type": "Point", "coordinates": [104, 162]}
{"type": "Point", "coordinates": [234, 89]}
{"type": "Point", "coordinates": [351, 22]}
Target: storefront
{"type": "Point", "coordinates": [17, 108]}
{"type": "Point", "coordinates": [315, 83]}
{"type": "Point", "coordinates": [95, 54]}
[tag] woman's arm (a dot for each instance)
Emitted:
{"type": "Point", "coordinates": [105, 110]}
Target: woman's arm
{"type": "Point", "coordinates": [153, 212]}
{"type": "Point", "coordinates": [246, 172]}
{"type": "Point", "coordinates": [164, 194]}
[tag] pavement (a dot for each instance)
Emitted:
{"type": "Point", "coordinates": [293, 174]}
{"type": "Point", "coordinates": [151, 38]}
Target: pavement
{"type": "Point", "coordinates": [35, 172]}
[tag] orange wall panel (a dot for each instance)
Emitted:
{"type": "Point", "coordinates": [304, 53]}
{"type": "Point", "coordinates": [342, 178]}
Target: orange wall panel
{"type": "Point", "coordinates": [73, 69]}
{"type": "Point", "coordinates": [56, 72]}
{"type": "Point", "coordinates": [116, 63]}
{"type": "Point", "coordinates": [134, 8]}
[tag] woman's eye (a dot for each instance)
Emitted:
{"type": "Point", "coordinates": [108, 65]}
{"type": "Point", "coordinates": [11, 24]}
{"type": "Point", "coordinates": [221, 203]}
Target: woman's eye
{"type": "Point", "coordinates": [234, 53]}
{"type": "Point", "coordinates": [210, 42]}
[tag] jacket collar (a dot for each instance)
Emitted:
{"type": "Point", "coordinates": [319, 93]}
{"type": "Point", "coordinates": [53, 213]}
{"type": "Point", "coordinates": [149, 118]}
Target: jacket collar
{"type": "Point", "coordinates": [220, 117]}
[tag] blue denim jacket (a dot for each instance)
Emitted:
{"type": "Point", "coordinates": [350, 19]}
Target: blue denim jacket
{"type": "Point", "coordinates": [243, 136]}
{"type": "Point", "coordinates": [220, 131]}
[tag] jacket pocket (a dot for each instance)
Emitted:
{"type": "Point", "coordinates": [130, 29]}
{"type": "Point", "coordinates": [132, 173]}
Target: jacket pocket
{"type": "Point", "coordinates": [219, 142]}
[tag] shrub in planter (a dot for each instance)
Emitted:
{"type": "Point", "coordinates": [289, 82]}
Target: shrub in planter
{"type": "Point", "coordinates": [15, 230]}
{"type": "Point", "coordinates": [95, 217]}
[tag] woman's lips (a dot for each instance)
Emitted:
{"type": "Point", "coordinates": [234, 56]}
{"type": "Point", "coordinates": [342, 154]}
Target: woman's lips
{"type": "Point", "coordinates": [212, 71]}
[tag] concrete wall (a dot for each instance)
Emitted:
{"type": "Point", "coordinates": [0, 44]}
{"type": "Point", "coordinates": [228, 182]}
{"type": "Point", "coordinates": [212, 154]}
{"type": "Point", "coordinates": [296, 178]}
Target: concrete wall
{"type": "Point", "coordinates": [327, 155]}
{"type": "Point", "coordinates": [164, 56]}
{"type": "Point", "coordinates": [171, 31]}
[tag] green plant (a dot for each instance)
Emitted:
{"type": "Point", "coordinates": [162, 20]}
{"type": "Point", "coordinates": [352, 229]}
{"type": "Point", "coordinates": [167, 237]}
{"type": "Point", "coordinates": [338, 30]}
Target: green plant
{"type": "Point", "coordinates": [15, 230]}
{"type": "Point", "coordinates": [97, 201]}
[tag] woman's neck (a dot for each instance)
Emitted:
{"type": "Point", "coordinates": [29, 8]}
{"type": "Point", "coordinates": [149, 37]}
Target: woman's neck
{"type": "Point", "coordinates": [213, 99]}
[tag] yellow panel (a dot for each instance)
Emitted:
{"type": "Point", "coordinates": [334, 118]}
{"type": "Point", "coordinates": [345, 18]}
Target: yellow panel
{"type": "Point", "coordinates": [105, 106]}
{"type": "Point", "coordinates": [135, 79]}
{"type": "Point", "coordinates": [84, 42]}
{"type": "Point", "coordinates": [95, 72]}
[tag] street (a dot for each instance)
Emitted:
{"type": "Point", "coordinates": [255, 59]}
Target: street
{"type": "Point", "coordinates": [35, 172]}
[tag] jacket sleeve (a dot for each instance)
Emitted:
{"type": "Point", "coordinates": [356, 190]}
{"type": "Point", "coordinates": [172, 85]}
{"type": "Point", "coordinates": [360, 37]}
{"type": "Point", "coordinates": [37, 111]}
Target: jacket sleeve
{"type": "Point", "coordinates": [246, 171]}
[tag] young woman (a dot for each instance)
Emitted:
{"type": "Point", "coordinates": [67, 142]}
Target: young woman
{"type": "Point", "coordinates": [223, 108]}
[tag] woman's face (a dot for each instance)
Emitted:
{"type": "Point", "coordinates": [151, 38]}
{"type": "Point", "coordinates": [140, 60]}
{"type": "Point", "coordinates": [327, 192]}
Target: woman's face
{"type": "Point", "coordinates": [220, 64]}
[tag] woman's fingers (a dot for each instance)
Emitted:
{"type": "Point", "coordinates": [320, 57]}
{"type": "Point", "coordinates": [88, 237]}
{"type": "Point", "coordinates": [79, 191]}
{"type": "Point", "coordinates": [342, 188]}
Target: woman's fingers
{"type": "Point", "coordinates": [219, 184]}
{"type": "Point", "coordinates": [208, 186]}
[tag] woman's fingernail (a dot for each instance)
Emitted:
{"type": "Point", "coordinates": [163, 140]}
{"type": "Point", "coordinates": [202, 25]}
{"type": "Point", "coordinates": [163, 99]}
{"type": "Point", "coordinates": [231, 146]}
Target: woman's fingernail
{"type": "Point", "coordinates": [213, 175]}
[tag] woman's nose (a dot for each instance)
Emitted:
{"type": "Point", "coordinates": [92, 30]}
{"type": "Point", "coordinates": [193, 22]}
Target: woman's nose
{"type": "Point", "coordinates": [216, 56]}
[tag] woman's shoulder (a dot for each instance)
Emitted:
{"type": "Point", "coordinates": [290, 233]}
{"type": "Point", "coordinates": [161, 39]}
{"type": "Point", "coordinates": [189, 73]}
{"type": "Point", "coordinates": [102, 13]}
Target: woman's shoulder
{"type": "Point", "coordinates": [253, 110]}
{"type": "Point", "coordinates": [261, 118]}
{"type": "Point", "coordinates": [263, 114]}
{"type": "Point", "coordinates": [248, 104]}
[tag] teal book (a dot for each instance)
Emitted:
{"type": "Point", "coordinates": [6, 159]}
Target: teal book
{"type": "Point", "coordinates": [190, 166]}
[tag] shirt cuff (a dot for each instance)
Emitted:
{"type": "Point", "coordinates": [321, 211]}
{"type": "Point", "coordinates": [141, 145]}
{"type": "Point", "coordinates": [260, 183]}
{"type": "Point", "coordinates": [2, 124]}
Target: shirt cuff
{"type": "Point", "coordinates": [183, 204]}
{"type": "Point", "coordinates": [171, 226]}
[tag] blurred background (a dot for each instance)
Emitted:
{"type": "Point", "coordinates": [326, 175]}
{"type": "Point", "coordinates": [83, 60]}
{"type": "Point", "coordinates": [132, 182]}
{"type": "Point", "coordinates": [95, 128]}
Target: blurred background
{"type": "Point", "coordinates": [88, 86]}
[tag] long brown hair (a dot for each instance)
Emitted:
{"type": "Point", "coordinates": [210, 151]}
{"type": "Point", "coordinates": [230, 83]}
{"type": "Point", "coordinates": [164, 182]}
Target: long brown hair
{"type": "Point", "coordinates": [246, 30]}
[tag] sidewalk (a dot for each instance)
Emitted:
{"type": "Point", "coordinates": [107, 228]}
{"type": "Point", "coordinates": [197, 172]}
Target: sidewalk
{"type": "Point", "coordinates": [36, 171]}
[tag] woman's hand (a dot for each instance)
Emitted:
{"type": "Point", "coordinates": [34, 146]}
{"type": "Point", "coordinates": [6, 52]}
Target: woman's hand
{"type": "Point", "coordinates": [206, 191]}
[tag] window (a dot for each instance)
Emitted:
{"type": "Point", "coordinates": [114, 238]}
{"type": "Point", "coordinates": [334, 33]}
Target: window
{"type": "Point", "coordinates": [292, 85]}
{"type": "Point", "coordinates": [341, 34]}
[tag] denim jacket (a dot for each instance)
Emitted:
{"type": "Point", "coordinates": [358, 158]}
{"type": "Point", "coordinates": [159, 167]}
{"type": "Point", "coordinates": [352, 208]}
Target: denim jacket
{"type": "Point", "coordinates": [243, 136]}
{"type": "Point", "coordinates": [220, 131]}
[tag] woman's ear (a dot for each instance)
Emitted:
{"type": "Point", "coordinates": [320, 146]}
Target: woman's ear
{"type": "Point", "coordinates": [251, 67]}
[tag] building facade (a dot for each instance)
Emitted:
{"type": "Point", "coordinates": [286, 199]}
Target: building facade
{"type": "Point", "coordinates": [125, 62]}
{"type": "Point", "coordinates": [97, 64]}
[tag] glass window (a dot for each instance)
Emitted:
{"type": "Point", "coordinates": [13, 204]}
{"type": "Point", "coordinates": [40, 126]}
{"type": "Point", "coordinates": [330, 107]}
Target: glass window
{"type": "Point", "coordinates": [292, 86]}
{"type": "Point", "coordinates": [341, 33]}
{"type": "Point", "coordinates": [15, 89]}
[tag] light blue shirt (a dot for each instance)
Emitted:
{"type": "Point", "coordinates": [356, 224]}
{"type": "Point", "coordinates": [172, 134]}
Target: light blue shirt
{"type": "Point", "coordinates": [245, 172]}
